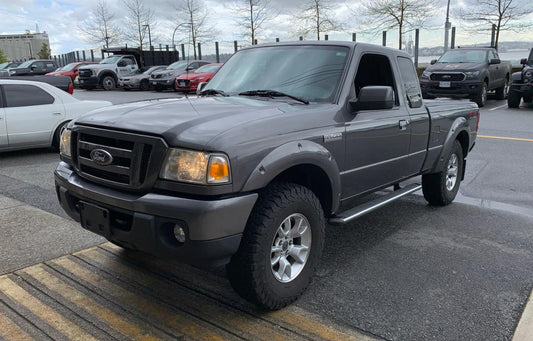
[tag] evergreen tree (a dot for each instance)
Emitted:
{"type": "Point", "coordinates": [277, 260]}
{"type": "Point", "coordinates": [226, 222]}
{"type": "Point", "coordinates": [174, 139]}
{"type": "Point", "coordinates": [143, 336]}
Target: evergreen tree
{"type": "Point", "coordinates": [3, 58]}
{"type": "Point", "coordinates": [44, 53]}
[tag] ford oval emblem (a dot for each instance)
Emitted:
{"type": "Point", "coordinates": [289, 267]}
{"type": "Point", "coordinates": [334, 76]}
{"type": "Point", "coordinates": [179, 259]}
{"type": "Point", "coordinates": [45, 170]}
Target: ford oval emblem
{"type": "Point", "coordinates": [101, 157]}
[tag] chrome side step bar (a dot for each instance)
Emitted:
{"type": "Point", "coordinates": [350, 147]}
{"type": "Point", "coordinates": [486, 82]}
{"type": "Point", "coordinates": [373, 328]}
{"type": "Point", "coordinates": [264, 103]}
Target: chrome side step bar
{"type": "Point", "coordinates": [349, 215]}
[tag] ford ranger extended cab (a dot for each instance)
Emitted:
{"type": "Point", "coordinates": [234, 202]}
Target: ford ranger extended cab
{"type": "Point", "coordinates": [278, 144]}
{"type": "Point", "coordinates": [467, 73]}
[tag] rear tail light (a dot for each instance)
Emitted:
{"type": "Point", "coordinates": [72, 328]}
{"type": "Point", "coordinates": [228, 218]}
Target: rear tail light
{"type": "Point", "coordinates": [70, 88]}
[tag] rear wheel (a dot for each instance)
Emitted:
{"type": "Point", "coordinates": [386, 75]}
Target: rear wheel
{"type": "Point", "coordinates": [503, 92]}
{"type": "Point", "coordinates": [513, 100]}
{"type": "Point", "coordinates": [280, 248]}
{"type": "Point", "coordinates": [441, 188]}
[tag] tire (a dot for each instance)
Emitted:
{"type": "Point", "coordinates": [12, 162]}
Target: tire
{"type": "Point", "coordinates": [144, 85]}
{"type": "Point", "coordinates": [255, 271]}
{"type": "Point", "coordinates": [441, 188]}
{"type": "Point", "coordinates": [481, 97]}
{"type": "Point", "coordinates": [503, 92]}
{"type": "Point", "coordinates": [158, 88]}
{"type": "Point", "coordinates": [527, 98]}
{"type": "Point", "coordinates": [108, 83]}
{"type": "Point", "coordinates": [513, 100]}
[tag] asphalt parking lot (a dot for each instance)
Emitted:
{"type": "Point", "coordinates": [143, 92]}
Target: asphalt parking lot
{"type": "Point", "coordinates": [405, 272]}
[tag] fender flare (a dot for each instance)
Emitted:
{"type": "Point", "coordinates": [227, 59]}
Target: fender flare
{"type": "Point", "coordinates": [106, 72]}
{"type": "Point", "coordinates": [293, 154]}
{"type": "Point", "coordinates": [517, 77]}
{"type": "Point", "coordinates": [458, 126]}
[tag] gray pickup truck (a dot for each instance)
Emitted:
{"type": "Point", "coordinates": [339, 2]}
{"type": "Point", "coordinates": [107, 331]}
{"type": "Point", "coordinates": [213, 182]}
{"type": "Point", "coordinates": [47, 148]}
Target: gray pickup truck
{"type": "Point", "coordinates": [280, 142]}
{"type": "Point", "coordinates": [467, 73]}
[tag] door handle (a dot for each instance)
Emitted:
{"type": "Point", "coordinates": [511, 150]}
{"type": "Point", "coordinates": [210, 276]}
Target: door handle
{"type": "Point", "coordinates": [403, 124]}
{"type": "Point", "coordinates": [57, 114]}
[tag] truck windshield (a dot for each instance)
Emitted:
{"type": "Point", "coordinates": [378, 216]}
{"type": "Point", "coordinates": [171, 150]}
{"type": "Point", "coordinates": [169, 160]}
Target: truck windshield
{"type": "Point", "coordinates": [311, 73]}
{"type": "Point", "coordinates": [68, 67]}
{"type": "Point", "coordinates": [25, 64]}
{"type": "Point", "coordinates": [110, 60]}
{"type": "Point", "coordinates": [464, 56]}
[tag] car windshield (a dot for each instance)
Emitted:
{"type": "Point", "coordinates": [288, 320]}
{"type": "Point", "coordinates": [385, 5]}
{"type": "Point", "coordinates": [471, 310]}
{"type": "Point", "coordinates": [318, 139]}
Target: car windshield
{"type": "Point", "coordinates": [177, 66]}
{"type": "Point", "coordinates": [26, 64]}
{"type": "Point", "coordinates": [152, 69]}
{"type": "Point", "coordinates": [207, 69]}
{"type": "Point", "coordinates": [110, 60]}
{"type": "Point", "coordinates": [68, 67]}
{"type": "Point", "coordinates": [3, 65]}
{"type": "Point", "coordinates": [464, 56]}
{"type": "Point", "coordinates": [311, 73]}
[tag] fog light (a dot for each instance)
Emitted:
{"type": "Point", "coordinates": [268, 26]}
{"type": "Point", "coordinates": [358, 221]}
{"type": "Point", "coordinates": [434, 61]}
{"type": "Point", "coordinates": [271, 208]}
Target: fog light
{"type": "Point", "coordinates": [179, 233]}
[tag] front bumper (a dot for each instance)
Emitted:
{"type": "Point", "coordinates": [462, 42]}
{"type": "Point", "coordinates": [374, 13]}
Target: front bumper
{"type": "Point", "coordinates": [162, 82]}
{"type": "Point", "coordinates": [461, 89]}
{"type": "Point", "coordinates": [522, 88]}
{"type": "Point", "coordinates": [145, 222]}
{"type": "Point", "coordinates": [129, 84]}
{"type": "Point", "coordinates": [88, 82]}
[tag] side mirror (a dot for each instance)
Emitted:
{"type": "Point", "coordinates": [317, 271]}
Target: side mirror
{"type": "Point", "coordinates": [33, 67]}
{"type": "Point", "coordinates": [433, 61]}
{"type": "Point", "coordinates": [374, 98]}
{"type": "Point", "coordinates": [523, 61]}
{"type": "Point", "coordinates": [190, 68]}
{"type": "Point", "coordinates": [200, 87]}
{"type": "Point", "coordinates": [121, 63]}
{"type": "Point", "coordinates": [494, 61]}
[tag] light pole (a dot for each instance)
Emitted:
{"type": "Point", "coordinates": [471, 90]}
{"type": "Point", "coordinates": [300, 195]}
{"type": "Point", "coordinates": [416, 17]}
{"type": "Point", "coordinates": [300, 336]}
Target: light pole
{"type": "Point", "coordinates": [31, 53]}
{"type": "Point", "coordinates": [447, 26]}
{"type": "Point", "coordinates": [149, 38]}
{"type": "Point", "coordinates": [174, 33]}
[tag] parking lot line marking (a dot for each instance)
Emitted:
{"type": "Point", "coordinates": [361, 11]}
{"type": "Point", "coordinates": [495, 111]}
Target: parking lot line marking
{"type": "Point", "coordinates": [505, 138]}
{"type": "Point", "coordinates": [44, 312]}
{"type": "Point", "coordinates": [89, 305]}
{"type": "Point", "coordinates": [524, 330]}
{"type": "Point", "coordinates": [9, 330]}
{"type": "Point", "coordinates": [221, 315]}
{"type": "Point", "coordinates": [498, 107]}
{"type": "Point", "coordinates": [179, 322]}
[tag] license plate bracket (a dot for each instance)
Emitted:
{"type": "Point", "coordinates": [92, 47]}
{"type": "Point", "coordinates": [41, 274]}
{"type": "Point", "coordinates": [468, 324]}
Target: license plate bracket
{"type": "Point", "coordinates": [95, 219]}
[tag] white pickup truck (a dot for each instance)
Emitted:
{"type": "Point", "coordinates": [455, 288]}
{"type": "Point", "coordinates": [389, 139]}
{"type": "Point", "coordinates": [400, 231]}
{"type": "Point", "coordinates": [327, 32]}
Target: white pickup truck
{"type": "Point", "coordinates": [106, 73]}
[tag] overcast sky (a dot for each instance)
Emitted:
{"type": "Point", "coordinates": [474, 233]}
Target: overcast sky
{"type": "Point", "coordinates": [60, 19]}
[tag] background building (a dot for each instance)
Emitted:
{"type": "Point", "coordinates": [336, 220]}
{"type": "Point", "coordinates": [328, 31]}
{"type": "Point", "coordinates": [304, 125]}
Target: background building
{"type": "Point", "coordinates": [22, 46]}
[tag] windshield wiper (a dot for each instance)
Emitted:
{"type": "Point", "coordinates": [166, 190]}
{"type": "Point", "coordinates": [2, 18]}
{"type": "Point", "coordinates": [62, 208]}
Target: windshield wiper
{"type": "Point", "coordinates": [272, 94]}
{"type": "Point", "coordinates": [213, 92]}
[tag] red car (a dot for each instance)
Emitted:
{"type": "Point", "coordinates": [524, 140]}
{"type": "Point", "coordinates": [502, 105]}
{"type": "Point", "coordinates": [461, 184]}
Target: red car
{"type": "Point", "coordinates": [70, 70]}
{"type": "Point", "coordinates": [189, 81]}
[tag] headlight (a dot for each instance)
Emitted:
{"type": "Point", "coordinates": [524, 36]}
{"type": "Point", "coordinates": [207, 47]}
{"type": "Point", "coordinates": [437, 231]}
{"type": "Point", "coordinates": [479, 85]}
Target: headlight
{"type": "Point", "coordinates": [170, 74]}
{"type": "Point", "coordinates": [64, 143]}
{"type": "Point", "coordinates": [472, 74]}
{"type": "Point", "coordinates": [12, 71]}
{"type": "Point", "coordinates": [426, 74]}
{"type": "Point", "coordinates": [197, 79]}
{"type": "Point", "coordinates": [95, 71]}
{"type": "Point", "coordinates": [195, 167]}
{"type": "Point", "coordinates": [528, 75]}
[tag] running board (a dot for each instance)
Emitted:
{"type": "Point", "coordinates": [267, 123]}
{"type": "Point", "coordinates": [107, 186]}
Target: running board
{"type": "Point", "coordinates": [347, 216]}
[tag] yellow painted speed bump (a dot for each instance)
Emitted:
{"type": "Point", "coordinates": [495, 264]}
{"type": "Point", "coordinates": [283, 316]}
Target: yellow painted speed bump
{"type": "Point", "coordinates": [105, 293]}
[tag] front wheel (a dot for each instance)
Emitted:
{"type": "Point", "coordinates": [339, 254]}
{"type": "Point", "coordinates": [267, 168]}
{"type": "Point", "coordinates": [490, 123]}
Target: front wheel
{"type": "Point", "coordinates": [280, 248]}
{"type": "Point", "coordinates": [441, 188]}
{"type": "Point", "coordinates": [503, 92]}
{"type": "Point", "coordinates": [108, 83]}
{"type": "Point", "coordinates": [481, 97]}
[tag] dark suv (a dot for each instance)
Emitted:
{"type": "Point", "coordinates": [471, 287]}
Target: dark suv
{"type": "Point", "coordinates": [34, 67]}
{"type": "Point", "coordinates": [522, 86]}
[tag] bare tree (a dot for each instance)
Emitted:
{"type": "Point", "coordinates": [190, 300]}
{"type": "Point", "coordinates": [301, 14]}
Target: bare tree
{"type": "Point", "coordinates": [401, 14]}
{"type": "Point", "coordinates": [252, 14]}
{"type": "Point", "coordinates": [139, 21]}
{"type": "Point", "coordinates": [192, 22]}
{"type": "Point", "coordinates": [504, 14]}
{"type": "Point", "coordinates": [100, 27]}
{"type": "Point", "coordinates": [317, 17]}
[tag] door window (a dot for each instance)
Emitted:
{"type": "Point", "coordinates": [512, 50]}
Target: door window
{"type": "Point", "coordinates": [21, 95]}
{"type": "Point", "coordinates": [375, 69]}
{"type": "Point", "coordinates": [410, 82]}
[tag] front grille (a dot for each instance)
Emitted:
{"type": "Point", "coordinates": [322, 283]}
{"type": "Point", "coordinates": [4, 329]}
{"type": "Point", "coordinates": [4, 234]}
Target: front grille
{"type": "Point", "coordinates": [448, 77]}
{"type": "Point", "coordinates": [136, 159]}
{"type": "Point", "coordinates": [156, 76]}
{"type": "Point", "coordinates": [85, 73]}
{"type": "Point", "coordinates": [183, 82]}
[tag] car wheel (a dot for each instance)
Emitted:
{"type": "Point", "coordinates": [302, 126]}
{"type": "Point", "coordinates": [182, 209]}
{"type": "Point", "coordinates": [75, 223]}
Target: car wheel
{"type": "Point", "coordinates": [441, 188]}
{"type": "Point", "coordinates": [481, 98]}
{"type": "Point", "coordinates": [503, 92]}
{"type": "Point", "coordinates": [513, 100]}
{"type": "Point", "coordinates": [145, 85]}
{"type": "Point", "coordinates": [108, 83]}
{"type": "Point", "coordinates": [280, 248]}
{"type": "Point", "coordinates": [158, 88]}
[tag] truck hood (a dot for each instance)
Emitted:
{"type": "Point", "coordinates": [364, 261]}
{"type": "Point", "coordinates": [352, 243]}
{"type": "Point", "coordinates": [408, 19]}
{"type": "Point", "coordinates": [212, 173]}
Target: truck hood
{"type": "Point", "coordinates": [455, 67]}
{"type": "Point", "coordinates": [97, 66]}
{"type": "Point", "coordinates": [186, 122]}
